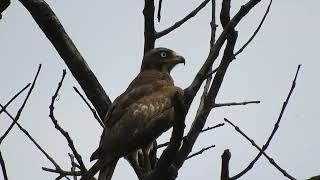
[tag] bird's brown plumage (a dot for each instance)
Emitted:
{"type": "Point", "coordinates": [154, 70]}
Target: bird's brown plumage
{"type": "Point", "coordinates": [147, 97]}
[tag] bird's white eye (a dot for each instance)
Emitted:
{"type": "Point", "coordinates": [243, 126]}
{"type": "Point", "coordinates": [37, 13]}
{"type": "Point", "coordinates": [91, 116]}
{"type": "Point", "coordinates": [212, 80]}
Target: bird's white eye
{"type": "Point", "coordinates": [163, 54]}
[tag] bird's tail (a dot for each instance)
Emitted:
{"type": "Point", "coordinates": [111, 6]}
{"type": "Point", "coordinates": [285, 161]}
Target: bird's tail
{"type": "Point", "coordinates": [106, 172]}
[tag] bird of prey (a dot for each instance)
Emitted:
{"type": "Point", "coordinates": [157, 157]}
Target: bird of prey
{"type": "Point", "coordinates": [133, 115]}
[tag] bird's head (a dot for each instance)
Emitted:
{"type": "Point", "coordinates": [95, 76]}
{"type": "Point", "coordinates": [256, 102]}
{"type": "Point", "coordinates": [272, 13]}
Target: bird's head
{"type": "Point", "coordinates": [161, 59]}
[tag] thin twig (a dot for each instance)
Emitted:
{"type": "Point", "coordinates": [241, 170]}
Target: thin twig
{"type": "Point", "coordinates": [159, 10]}
{"type": "Point", "coordinates": [276, 126]}
{"type": "Point", "coordinates": [3, 167]}
{"type": "Point", "coordinates": [212, 41]}
{"type": "Point", "coordinates": [234, 103]}
{"type": "Point", "coordinates": [73, 167]}
{"type": "Point", "coordinates": [200, 152]}
{"type": "Point", "coordinates": [193, 88]}
{"type": "Point", "coordinates": [94, 112]}
{"type": "Point", "coordinates": [14, 97]}
{"type": "Point", "coordinates": [255, 32]}
{"type": "Point", "coordinates": [182, 21]}
{"type": "Point", "coordinates": [260, 150]}
{"type": "Point", "coordinates": [61, 130]}
{"type": "Point", "coordinates": [33, 140]}
{"type": "Point", "coordinates": [204, 130]}
{"type": "Point", "coordinates": [22, 106]}
{"type": "Point", "coordinates": [213, 127]}
{"type": "Point", "coordinates": [62, 172]}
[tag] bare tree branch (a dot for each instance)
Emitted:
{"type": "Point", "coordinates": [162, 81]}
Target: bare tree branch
{"type": "Point", "coordinates": [201, 117]}
{"type": "Point", "coordinates": [225, 13]}
{"type": "Point", "coordinates": [260, 150]}
{"type": "Point", "coordinates": [22, 106]}
{"type": "Point", "coordinates": [61, 130]}
{"type": "Point", "coordinates": [94, 112]}
{"type": "Point", "coordinates": [3, 167]}
{"type": "Point", "coordinates": [213, 127]}
{"type": "Point", "coordinates": [62, 172]}
{"type": "Point", "coordinates": [204, 130]}
{"type": "Point", "coordinates": [14, 97]}
{"type": "Point", "coordinates": [212, 40]}
{"type": "Point", "coordinates": [192, 90]}
{"type": "Point", "coordinates": [255, 32]}
{"type": "Point", "coordinates": [182, 21]}
{"type": "Point", "coordinates": [53, 29]}
{"type": "Point", "coordinates": [149, 31]}
{"type": "Point", "coordinates": [73, 165]}
{"type": "Point", "coordinates": [33, 140]}
{"type": "Point", "coordinates": [276, 126]}
{"type": "Point", "coordinates": [200, 152]}
{"type": "Point", "coordinates": [234, 103]}
{"type": "Point", "coordinates": [225, 158]}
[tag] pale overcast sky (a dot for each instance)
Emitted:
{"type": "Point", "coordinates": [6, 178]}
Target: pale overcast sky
{"type": "Point", "coordinates": [109, 34]}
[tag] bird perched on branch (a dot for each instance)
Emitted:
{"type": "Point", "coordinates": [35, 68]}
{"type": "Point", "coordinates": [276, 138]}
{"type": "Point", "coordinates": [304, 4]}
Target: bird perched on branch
{"type": "Point", "coordinates": [139, 115]}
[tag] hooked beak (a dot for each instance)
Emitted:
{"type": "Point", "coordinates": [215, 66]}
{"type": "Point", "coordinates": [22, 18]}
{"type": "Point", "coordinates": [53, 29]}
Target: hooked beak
{"type": "Point", "coordinates": [177, 59]}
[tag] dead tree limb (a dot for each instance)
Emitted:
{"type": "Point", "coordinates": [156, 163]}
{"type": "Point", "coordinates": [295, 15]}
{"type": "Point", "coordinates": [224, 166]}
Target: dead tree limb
{"type": "Point", "coordinates": [225, 158]}
{"type": "Point", "coordinates": [53, 29]}
{"type": "Point", "coordinates": [94, 112]}
{"type": "Point", "coordinates": [260, 150]}
{"type": "Point", "coordinates": [276, 126]}
{"type": "Point", "coordinates": [182, 21]}
{"type": "Point", "coordinates": [16, 118]}
{"type": "Point", "coordinates": [33, 140]}
{"type": "Point", "coordinates": [61, 130]}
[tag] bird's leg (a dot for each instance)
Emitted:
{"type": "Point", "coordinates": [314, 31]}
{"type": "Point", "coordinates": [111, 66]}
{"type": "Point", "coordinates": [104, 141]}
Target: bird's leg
{"type": "Point", "coordinates": [153, 155]}
{"type": "Point", "coordinates": [146, 151]}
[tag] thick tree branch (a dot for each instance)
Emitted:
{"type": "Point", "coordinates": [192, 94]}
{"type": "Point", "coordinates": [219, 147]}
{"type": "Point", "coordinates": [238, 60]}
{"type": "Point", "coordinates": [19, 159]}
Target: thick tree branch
{"type": "Point", "coordinates": [149, 31]}
{"type": "Point", "coordinates": [260, 150]}
{"type": "Point", "coordinates": [176, 137]}
{"type": "Point", "coordinates": [3, 167]}
{"type": "Point", "coordinates": [276, 126]}
{"type": "Point", "coordinates": [16, 118]}
{"type": "Point", "coordinates": [225, 158]}
{"type": "Point", "coordinates": [61, 130]}
{"type": "Point", "coordinates": [182, 21]}
{"type": "Point", "coordinates": [94, 112]}
{"type": "Point", "coordinates": [53, 29]}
